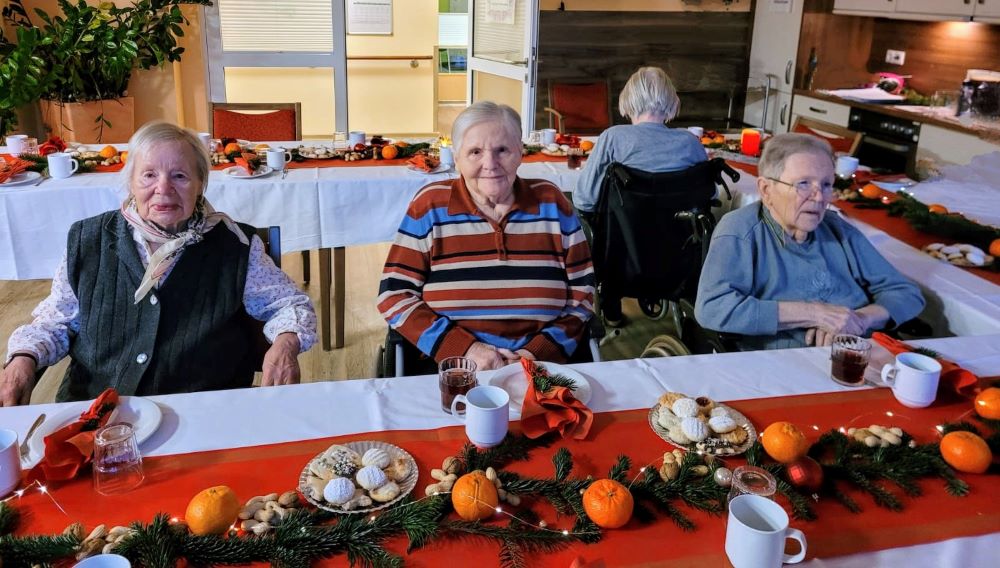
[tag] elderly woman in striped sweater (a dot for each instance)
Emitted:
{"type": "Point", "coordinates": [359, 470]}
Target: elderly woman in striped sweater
{"type": "Point", "coordinates": [489, 265]}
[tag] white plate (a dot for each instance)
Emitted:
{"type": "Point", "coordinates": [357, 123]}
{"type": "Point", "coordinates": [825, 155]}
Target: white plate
{"type": "Point", "coordinates": [438, 170]}
{"type": "Point", "coordinates": [512, 379]}
{"type": "Point", "coordinates": [405, 486]}
{"type": "Point", "coordinates": [241, 173]}
{"type": "Point", "coordinates": [143, 414]}
{"type": "Point", "coordinates": [21, 179]}
{"type": "Point", "coordinates": [894, 185]}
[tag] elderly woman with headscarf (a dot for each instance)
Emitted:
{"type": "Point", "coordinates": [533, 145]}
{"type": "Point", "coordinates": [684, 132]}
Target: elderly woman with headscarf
{"type": "Point", "coordinates": [153, 298]}
{"type": "Point", "coordinates": [649, 100]}
{"type": "Point", "coordinates": [784, 273]}
{"type": "Point", "coordinates": [489, 265]}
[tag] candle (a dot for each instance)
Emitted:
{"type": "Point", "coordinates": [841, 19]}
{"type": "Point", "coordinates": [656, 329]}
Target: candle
{"type": "Point", "coordinates": [750, 142]}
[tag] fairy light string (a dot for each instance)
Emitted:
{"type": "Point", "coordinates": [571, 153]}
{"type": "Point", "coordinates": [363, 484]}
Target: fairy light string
{"type": "Point", "coordinates": [43, 489]}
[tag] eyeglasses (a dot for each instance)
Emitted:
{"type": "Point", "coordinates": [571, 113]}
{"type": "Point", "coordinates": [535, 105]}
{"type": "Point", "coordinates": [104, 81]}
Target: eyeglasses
{"type": "Point", "coordinates": [806, 188]}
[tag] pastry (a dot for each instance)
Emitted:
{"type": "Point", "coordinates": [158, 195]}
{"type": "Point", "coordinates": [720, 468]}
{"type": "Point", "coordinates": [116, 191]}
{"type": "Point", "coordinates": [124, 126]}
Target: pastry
{"type": "Point", "coordinates": [666, 418]}
{"type": "Point", "coordinates": [399, 469]}
{"type": "Point", "coordinates": [385, 493]}
{"type": "Point", "coordinates": [371, 477]}
{"type": "Point", "coordinates": [342, 460]}
{"type": "Point", "coordinates": [720, 411]}
{"type": "Point", "coordinates": [736, 436]}
{"type": "Point", "coordinates": [685, 407]}
{"type": "Point", "coordinates": [668, 399]}
{"type": "Point", "coordinates": [322, 468]}
{"type": "Point", "coordinates": [694, 429]}
{"type": "Point", "coordinates": [721, 424]}
{"type": "Point", "coordinates": [315, 487]}
{"type": "Point", "coordinates": [338, 491]}
{"type": "Point", "coordinates": [677, 435]}
{"type": "Point", "coordinates": [376, 457]}
{"type": "Point", "coordinates": [705, 405]}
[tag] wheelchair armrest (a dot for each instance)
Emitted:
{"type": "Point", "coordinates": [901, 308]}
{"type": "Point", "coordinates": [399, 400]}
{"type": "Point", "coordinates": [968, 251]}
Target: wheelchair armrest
{"type": "Point", "coordinates": [916, 328]}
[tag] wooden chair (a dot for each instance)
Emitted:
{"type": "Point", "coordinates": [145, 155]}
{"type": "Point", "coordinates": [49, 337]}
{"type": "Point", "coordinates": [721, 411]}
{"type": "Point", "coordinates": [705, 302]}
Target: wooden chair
{"type": "Point", "coordinates": [271, 236]}
{"type": "Point", "coordinates": [579, 108]}
{"type": "Point", "coordinates": [267, 121]}
{"type": "Point", "coordinates": [841, 139]}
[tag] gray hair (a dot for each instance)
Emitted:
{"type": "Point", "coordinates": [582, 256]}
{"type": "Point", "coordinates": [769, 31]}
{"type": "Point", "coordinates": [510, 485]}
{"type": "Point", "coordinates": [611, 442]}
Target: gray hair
{"type": "Point", "coordinates": [649, 90]}
{"type": "Point", "coordinates": [153, 133]}
{"type": "Point", "coordinates": [485, 111]}
{"type": "Point", "coordinates": [780, 147]}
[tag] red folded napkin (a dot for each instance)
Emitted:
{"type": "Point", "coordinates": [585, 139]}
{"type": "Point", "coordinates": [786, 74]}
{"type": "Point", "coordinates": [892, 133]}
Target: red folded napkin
{"type": "Point", "coordinates": [554, 410]}
{"type": "Point", "coordinates": [953, 378]}
{"type": "Point", "coordinates": [71, 447]}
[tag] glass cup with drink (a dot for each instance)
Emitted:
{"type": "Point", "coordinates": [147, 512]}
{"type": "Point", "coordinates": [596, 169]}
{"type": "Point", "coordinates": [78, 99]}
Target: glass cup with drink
{"type": "Point", "coordinates": [574, 158]}
{"type": "Point", "coordinates": [849, 358]}
{"type": "Point", "coordinates": [456, 375]}
{"type": "Point", "coordinates": [117, 461]}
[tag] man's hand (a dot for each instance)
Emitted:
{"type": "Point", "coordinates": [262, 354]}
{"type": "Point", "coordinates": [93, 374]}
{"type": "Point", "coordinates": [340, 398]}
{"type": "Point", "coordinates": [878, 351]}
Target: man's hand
{"type": "Point", "coordinates": [281, 362]}
{"type": "Point", "coordinates": [17, 381]}
{"type": "Point", "coordinates": [485, 356]}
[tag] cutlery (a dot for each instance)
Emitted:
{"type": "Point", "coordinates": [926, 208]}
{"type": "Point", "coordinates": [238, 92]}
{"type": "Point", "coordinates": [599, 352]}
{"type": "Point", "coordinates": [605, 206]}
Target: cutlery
{"type": "Point", "coordinates": [24, 444]}
{"type": "Point", "coordinates": [284, 173]}
{"type": "Point", "coordinates": [40, 180]}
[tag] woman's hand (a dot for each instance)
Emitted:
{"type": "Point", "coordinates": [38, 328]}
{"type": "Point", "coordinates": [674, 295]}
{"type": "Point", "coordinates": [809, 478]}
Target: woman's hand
{"type": "Point", "coordinates": [486, 356]}
{"type": "Point", "coordinates": [17, 381]}
{"type": "Point", "coordinates": [838, 319]}
{"type": "Point", "coordinates": [281, 362]}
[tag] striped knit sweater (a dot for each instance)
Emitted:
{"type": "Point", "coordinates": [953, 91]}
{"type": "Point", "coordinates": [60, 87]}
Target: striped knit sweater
{"type": "Point", "coordinates": [454, 277]}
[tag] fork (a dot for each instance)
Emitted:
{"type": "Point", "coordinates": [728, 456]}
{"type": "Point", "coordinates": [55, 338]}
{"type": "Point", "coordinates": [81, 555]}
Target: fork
{"type": "Point", "coordinates": [24, 445]}
{"type": "Point", "coordinates": [41, 178]}
{"type": "Point", "coordinates": [284, 173]}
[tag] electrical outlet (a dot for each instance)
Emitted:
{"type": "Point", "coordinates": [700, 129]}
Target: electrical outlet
{"type": "Point", "coordinates": [895, 57]}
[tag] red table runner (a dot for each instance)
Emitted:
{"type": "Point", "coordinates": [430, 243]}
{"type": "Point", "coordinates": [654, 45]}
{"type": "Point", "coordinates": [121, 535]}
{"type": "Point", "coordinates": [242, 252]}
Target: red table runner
{"type": "Point", "coordinates": [172, 480]}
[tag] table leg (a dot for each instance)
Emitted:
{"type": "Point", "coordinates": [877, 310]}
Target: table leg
{"type": "Point", "coordinates": [324, 296]}
{"type": "Point", "coordinates": [338, 297]}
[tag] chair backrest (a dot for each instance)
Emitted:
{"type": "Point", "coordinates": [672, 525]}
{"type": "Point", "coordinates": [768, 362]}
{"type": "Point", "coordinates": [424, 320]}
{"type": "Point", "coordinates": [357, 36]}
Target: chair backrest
{"type": "Point", "coordinates": [585, 108]}
{"type": "Point", "coordinates": [271, 236]}
{"type": "Point", "coordinates": [266, 121]}
{"type": "Point", "coordinates": [841, 139]}
{"type": "Point", "coordinates": [652, 229]}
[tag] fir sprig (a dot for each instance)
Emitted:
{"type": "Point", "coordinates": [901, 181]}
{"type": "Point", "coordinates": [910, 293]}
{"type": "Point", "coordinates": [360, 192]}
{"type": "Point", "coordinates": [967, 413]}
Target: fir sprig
{"type": "Point", "coordinates": [25, 552]}
{"type": "Point", "coordinates": [544, 382]}
{"type": "Point", "coordinates": [9, 517]}
{"type": "Point", "coordinates": [514, 447]}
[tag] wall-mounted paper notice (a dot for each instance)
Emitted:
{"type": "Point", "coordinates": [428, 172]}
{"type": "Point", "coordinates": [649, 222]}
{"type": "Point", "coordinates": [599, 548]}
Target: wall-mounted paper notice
{"type": "Point", "coordinates": [369, 17]}
{"type": "Point", "coordinates": [500, 11]}
{"type": "Point", "coordinates": [780, 6]}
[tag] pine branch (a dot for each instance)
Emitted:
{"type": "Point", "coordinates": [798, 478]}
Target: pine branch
{"type": "Point", "coordinates": [563, 463]}
{"type": "Point", "coordinates": [619, 471]}
{"type": "Point", "coordinates": [9, 518]}
{"type": "Point", "coordinates": [514, 541]}
{"type": "Point", "coordinates": [32, 550]}
{"type": "Point", "coordinates": [514, 447]}
{"type": "Point", "coordinates": [846, 501]}
{"type": "Point", "coordinates": [544, 382]}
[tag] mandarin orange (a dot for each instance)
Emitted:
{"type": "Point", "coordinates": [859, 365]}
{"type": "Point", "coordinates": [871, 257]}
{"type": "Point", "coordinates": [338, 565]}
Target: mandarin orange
{"type": "Point", "coordinates": [212, 511]}
{"type": "Point", "coordinates": [232, 148]}
{"type": "Point", "coordinates": [608, 503]}
{"type": "Point", "coordinates": [474, 496]}
{"type": "Point", "coordinates": [108, 151]}
{"type": "Point", "coordinates": [987, 403]}
{"type": "Point", "coordinates": [586, 145]}
{"type": "Point", "coordinates": [784, 442]}
{"type": "Point", "coordinates": [938, 208]}
{"type": "Point", "coordinates": [871, 191]}
{"type": "Point", "coordinates": [995, 247]}
{"type": "Point", "coordinates": [389, 151]}
{"type": "Point", "coordinates": [966, 452]}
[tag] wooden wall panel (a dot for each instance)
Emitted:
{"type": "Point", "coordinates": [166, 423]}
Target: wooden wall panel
{"type": "Point", "coordinates": [705, 53]}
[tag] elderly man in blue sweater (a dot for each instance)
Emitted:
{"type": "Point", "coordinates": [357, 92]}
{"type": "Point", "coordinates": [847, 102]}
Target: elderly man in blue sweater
{"type": "Point", "coordinates": [784, 273]}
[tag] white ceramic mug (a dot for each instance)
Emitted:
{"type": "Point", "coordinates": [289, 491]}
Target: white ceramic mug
{"type": "Point", "coordinates": [846, 166]}
{"type": "Point", "coordinates": [756, 534]}
{"type": "Point", "coordinates": [206, 139]}
{"type": "Point", "coordinates": [447, 157]}
{"type": "Point", "coordinates": [697, 131]}
{"type": "Point", "coordinates": [356, 137]}
{"type": "Point", "coordinates": [913, 378]}
{"type": "Point", "coordinates": [15, 142]}
{"type": "Point", "coordinates": [487, 411]}
{"type": "Point", "coordinates": [548, 136]}
{"type": "Point", "coordinates": [277, 158]}
{"type": "Point", "coordinates": [10, 462]}
{"type": "Point", "coordinates": [62, 165]}
{"type": "Point", "coordinates": [104, 561]}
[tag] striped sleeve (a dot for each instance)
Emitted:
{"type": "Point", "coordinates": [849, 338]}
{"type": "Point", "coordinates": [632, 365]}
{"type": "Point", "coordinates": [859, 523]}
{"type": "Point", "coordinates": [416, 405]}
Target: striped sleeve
{"type": "Point", "coordinates": [406, 268]}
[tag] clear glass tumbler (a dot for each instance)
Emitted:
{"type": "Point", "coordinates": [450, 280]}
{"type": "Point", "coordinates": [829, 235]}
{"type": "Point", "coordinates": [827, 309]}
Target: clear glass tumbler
{"type": "Point", "coordinates": [117, 461]}
{"type": "Point", "coordinates": [849, 356]}
{"type": "Point", "coordinates": [456, 375]}
{"type": "Point", "coordinates": [750, 480]}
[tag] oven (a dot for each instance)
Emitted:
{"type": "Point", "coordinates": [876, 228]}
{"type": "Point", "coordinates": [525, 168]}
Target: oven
{"type": "Point", "coordinates": [889, 144]}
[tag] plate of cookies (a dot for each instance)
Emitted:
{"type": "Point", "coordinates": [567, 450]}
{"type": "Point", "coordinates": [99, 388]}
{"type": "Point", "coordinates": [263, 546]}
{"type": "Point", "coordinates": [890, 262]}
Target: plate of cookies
{"type": "Point", "coordinates": [358, 477]}
{"type": "Point", "coordinates": [701, 424]}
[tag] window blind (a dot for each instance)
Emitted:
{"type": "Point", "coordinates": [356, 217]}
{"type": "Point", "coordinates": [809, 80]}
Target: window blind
{"type": "Point", "coordinates": [276, 25]}
{"type": "Point", "coordinates": [453, 29]}
{"type": "Point", "coordinates": [497, 41]}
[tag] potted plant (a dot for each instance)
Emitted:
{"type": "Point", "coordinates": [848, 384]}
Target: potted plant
{"type": "Point", "coordinates": [78, 64]}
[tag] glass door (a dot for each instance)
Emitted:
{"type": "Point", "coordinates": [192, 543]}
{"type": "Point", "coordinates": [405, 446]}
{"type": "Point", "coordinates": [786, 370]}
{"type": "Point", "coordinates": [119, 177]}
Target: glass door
{"type": "Point", "coordinates": [503, 50]}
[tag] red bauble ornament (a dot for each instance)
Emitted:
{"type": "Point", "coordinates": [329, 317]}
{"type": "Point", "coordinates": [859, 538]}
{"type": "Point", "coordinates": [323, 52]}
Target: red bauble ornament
{"type": "Point", "coordinates": [806, 474]}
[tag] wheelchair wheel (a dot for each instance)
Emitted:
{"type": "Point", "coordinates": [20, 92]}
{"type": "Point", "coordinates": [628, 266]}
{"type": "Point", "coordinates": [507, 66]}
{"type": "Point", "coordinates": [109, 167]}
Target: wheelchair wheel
{"type": "Point", "coordinates": [664, 346]}
{"type": "Point", "coordinates": [653, 308]}
{"type": "Point", "coordinates": [385, 365]}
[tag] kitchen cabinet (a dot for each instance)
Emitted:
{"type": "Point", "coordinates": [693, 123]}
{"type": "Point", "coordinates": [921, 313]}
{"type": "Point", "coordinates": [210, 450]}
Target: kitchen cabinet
{"type": "Point", "coordinates": [865, 7]}
{"type": "Point", "coordinates": [824, 111]}
{"type": "Point", "coordinates": [773, 50]}
{"type": "Point", "coordinates": [962, 8]}
{"type": "Point", "coordinates": [987, 11]}
{"type": "Point", "coordinates": [949, 146]}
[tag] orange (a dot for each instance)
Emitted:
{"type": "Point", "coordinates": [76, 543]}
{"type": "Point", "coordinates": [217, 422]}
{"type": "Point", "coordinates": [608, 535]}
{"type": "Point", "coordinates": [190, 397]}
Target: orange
{"type": "Point", "coordinates": [966, 452]}
{"type": "Point", "coordinates": [261, 147]}
{"type": "Point", "coordinates": [871, 191]}
{"type": "Point", "coordinates": [389, 151]}
{"type": "Point", "coordinates": [608, 503]}
{"type": "Point", "coordinates": [401, 144]}
{"type": "Point", "coordinates": [987, 403]}
{"type": "Point", "coordinates": [474, 496]}
{"type": "Point", "coordinates": [212, 511]}
{"type": "Point", "coordinates": [124, 156]}
{"type": "Point", "coordinates": [586, 145]}
{"type": "Point", "coordinates": [995, 247]}
{"type": "Point", "coordinates": [108, 151]}
{"type": "Point", "coordinates": [232, 148]}
{"type": "Point", "coordinates": [784, 442]}
{"type": "Point", "coordinates": [706, 140]}
{"type": "Point", "coordinates": [938, 208]}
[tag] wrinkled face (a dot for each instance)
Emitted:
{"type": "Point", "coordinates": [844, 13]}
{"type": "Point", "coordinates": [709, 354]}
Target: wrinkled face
{"type": "Point", "coordinates": [798, 204]}
{"type": "Point", "coordinates": [165, 185]}
{"type": "Point", "coordinates": [488, 160]}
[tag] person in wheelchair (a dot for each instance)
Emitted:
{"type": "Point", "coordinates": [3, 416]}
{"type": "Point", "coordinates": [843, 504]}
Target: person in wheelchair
{"type": "Point", "coordinates": [489, 265]}
{"type": "Point", "coordinates": [649, 100]}
{"type": "Point", "coordinates": [784, 273]}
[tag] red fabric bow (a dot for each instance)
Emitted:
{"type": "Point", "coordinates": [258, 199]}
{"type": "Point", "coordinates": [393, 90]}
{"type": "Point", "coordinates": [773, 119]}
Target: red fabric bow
{"type": "Point", "coordinates": [555, 410]}
{"type": "Point", "coordinates": [71, 447]}
{"type": "Point", "coordinates": [953, 378]}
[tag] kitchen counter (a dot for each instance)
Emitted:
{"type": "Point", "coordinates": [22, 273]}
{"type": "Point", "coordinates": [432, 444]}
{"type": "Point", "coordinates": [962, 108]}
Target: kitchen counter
{"type": "Point", "coordinates": [988, 130]}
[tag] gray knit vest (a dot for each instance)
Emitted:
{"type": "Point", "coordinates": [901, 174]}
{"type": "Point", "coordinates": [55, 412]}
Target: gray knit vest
{"type": "Point", "coordinates": [190, 334]}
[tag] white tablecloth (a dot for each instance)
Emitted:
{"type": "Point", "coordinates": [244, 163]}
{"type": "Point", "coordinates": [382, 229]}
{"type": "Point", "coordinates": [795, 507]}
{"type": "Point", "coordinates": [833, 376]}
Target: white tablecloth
{"type": "Point", "coordinates": [205, 421]}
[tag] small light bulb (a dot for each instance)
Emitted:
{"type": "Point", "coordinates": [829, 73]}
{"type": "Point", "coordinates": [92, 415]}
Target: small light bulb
{"type": "Point", "coordinates": [940, 428]}
{"type": "Point", "coordinates": [19, 492]}
{"type": "Point", "coordinates": [174, 520]}
{"type": "Point", "coordinates": [565, 532]}
{"type": "Point", "coordinates": [889, 414]}
{"type": "Point", "coordinates": [642, 468]}
{"type": "Point", "coordinates": [815, 427]}
{"type": "Point", "coordinates": [499, 510]}
{"type": "Point", "coordinates": [43, 489]}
